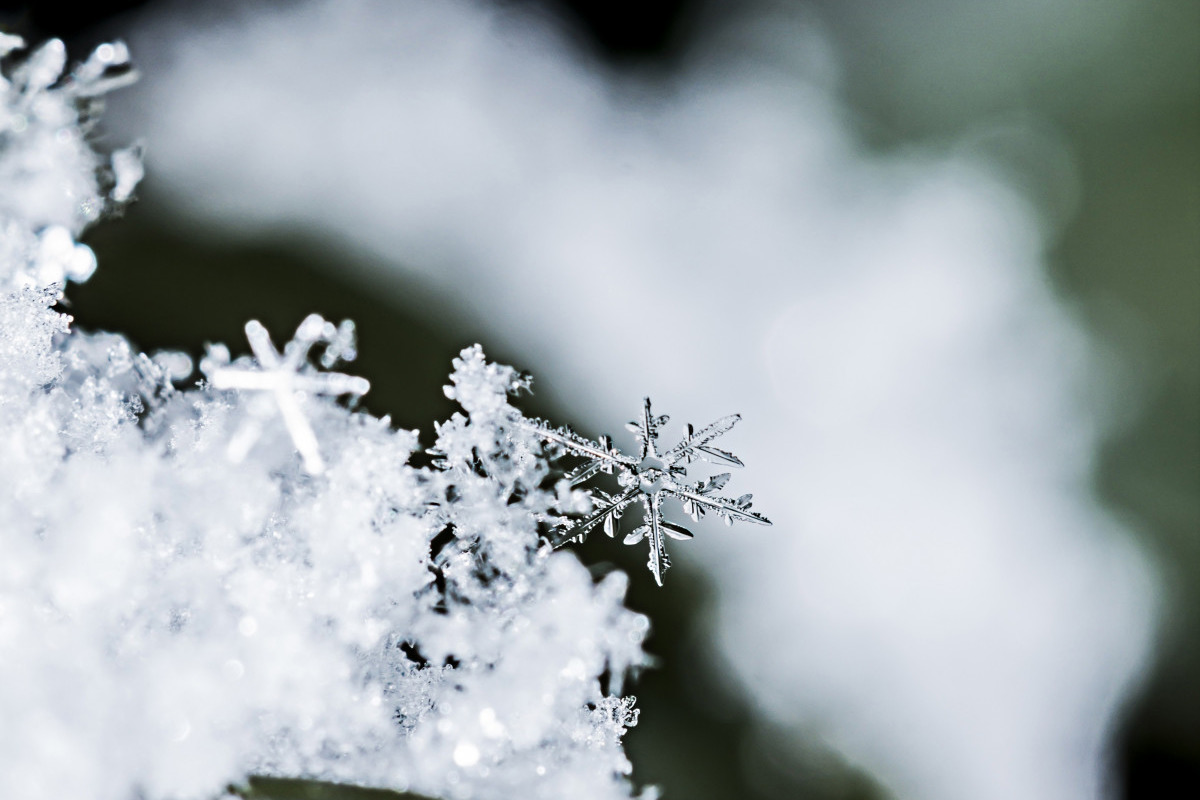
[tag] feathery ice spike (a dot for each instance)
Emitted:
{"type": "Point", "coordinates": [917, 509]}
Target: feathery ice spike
{"type": "Point", "coordinates": [648, 479]}
{"type": "Point", "coordinates": [289, 378]}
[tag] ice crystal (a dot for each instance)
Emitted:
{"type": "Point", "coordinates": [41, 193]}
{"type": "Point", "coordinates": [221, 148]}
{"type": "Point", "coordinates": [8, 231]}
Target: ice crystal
{"type": "Point", "coordinates": [172, 622]}
{"type": "Point", "coordinates": [649, 479]}
{"type": "Point", "coordinates": [286, 380]}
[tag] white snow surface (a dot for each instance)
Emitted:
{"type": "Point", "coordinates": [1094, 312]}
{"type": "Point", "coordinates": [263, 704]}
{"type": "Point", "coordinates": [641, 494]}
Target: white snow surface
{"type": "Point", "coordinates": [172, 621]}
{"type": "Point", "coordinates": [941, 596]}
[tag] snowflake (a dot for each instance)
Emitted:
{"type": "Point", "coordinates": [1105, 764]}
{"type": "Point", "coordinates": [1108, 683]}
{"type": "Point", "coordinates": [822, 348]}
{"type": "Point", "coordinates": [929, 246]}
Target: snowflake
{"type": "Point", "coordinates": [289, 379]}
{"type": "Point", "coordinates": [650, 478]}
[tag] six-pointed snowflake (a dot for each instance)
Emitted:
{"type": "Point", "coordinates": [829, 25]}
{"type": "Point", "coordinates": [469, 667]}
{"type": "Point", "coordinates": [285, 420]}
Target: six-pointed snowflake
{"type": "Point", "coordinates": [289, 379]}
{"type": "Point", "coordinates": [649, 479]}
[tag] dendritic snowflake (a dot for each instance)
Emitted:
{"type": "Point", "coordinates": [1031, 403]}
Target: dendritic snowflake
{"type": "Point", "coordinates": [650, 478]}
{"type": "Point", "coordinates": [289, 378]}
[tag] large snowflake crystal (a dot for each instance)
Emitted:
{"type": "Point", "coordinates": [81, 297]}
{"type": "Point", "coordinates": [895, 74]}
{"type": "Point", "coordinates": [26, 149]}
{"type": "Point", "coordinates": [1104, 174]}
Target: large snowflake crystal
{"type": "Point", "coordinates": [286, 379]}
{"type": "Point", "coordinates": [649, 479]}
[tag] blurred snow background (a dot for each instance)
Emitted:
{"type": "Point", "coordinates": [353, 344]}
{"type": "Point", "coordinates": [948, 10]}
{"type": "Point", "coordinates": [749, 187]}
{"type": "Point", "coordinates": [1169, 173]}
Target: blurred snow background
{"type": "Point", "coordinates": [942, 599]}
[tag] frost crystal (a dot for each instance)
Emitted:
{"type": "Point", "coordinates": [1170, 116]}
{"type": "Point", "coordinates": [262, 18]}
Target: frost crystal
{"type": "Point", "coordinates": [289, 379]}
{"type": "Point", "coordinates": [649, 479]}
{"type": "Point", "coordinates": [172, 622]}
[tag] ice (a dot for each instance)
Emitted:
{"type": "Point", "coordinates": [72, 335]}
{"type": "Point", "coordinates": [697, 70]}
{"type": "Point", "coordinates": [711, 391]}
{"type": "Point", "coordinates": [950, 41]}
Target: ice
{"type": "Point", "coordinates": [648, 479]}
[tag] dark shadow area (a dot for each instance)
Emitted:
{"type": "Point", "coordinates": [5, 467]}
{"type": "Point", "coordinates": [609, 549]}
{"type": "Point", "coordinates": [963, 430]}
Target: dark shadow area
{"type": "Point", "coordinates": [625, 32]}
{"type": "Point", "coordinates": [287, 789]}
{"type": "Point", "coordinates": [165, 290]}
{"type": "Point", "coordinates": [1153, 772]}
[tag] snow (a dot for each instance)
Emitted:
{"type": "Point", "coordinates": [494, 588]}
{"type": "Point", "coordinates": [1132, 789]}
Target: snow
{"type": "Point", "coordinates": [173, 620]}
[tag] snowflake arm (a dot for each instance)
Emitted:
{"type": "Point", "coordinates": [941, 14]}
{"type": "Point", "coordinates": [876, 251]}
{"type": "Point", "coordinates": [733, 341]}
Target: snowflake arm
{"type": "Point", "coordinates": [646, 430]}
{"type": "Point", "coordinates": [695, 444]}
{"type": "Point", "coordinates": [607, 513]}
{"type": "Point", "coordinates": [298, 427]}
{"type": "Point", "coordinates": [730, 510]}
{"type": "Point", "coordinates": [659, 560]}
{"type": "Point", "coordinates": [603, 456]}
{"type": "Point", "coordinates": [288, 379]}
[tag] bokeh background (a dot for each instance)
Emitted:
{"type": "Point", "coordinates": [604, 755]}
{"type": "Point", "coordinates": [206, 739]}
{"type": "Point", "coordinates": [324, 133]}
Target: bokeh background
{"type": "Point", "coordinates": [1078, 123]}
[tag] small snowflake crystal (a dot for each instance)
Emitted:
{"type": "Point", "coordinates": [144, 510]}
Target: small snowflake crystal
{"type": "Point", "coordinates": [649, 479]}
{"type": "Point", "coordinates": [288, 379]}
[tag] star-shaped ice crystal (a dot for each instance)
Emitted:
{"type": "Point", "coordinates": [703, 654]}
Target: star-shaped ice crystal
{"type": "Point", "coordinates": [649, 479]}
{"type": "Point", "coordinates": [287, 379]}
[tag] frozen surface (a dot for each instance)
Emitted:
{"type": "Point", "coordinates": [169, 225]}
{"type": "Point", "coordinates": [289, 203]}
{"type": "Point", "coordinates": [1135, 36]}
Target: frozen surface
{"type": "Point", "coordinates": [940, 596]}
{"type": "Point", "coordinates": [183, 603]}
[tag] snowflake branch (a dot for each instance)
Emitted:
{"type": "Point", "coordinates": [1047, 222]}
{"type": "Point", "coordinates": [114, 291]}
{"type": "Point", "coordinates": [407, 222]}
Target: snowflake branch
{"type": "Point", "coordinates": [576, 443]}
{"type": "Point", "coordinates": [726, 508]}
{"type": "Point", "coordinates": [613, 508]}
{"type": "Point", "coordinates": [696, 440]}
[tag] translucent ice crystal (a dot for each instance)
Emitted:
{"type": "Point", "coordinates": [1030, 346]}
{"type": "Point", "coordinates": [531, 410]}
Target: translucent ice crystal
{"type": "Point", "coordinates": [648, 479]}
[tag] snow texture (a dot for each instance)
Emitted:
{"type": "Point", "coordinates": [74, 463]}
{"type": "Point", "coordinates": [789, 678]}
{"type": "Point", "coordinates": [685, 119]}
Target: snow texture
{"type": "Point", "coordinates": [173, 619]}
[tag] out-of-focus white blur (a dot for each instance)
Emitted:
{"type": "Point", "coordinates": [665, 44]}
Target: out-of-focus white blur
{"type": "Point", "coordinates": [941, 596]}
